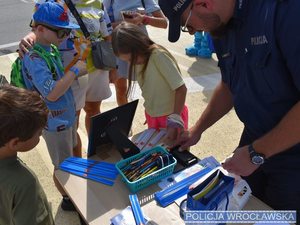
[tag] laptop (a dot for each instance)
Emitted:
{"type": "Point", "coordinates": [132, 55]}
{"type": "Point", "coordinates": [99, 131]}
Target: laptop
{"type": "Point", "coordinates": [113, 126]}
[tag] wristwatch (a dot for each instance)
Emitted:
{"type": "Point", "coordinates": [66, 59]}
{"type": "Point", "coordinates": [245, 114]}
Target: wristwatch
{"type": "Point", "coordinates": [255, 157]}
{"type": "Point", "coordinates": [75, 70]}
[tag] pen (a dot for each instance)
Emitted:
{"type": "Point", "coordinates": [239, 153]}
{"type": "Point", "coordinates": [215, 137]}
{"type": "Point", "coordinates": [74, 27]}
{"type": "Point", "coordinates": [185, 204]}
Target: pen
{"type": "Point", "coordinates": [152, 170]}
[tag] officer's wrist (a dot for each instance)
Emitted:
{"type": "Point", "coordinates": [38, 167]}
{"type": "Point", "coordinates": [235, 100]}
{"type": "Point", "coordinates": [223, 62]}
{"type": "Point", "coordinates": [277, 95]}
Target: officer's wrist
{"type": "Point", "coordinates": [262, 147]}
{"type": "Point", "coordinates": [75, 70]}
{"type": "Point", "coordinates": [256, 157]}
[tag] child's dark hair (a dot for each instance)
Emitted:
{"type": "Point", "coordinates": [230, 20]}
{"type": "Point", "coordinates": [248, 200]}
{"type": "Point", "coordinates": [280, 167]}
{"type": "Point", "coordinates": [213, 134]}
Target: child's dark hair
{"type": "Point", "coordinates": [128, 38]}
{"type": "Point", "coordinates": [22, 113]}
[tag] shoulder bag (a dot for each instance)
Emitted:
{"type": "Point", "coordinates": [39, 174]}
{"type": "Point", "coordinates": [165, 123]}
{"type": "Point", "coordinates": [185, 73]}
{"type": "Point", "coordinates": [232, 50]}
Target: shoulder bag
{"type": "Point", "coordinates": [102, 52]}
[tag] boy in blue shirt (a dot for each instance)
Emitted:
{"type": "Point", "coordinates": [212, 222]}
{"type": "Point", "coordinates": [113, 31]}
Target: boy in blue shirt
{"type": "Point", "coordinates": [51, 26]}
{"type": "Point", "coordinates": [23, 115]}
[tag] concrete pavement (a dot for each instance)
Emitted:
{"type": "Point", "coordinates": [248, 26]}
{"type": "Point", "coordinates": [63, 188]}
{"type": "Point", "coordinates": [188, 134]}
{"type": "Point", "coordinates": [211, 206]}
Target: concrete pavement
{"type": "Point", "coordinates": [200, 75]}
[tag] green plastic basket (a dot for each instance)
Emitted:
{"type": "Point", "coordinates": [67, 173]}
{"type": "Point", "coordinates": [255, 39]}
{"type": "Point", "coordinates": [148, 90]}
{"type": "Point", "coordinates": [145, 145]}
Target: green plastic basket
{"type": "Point", "coordinates": [152, 178]}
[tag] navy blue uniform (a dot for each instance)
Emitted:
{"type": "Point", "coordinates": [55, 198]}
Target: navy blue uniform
{"type": "Point", "coordinates": [259, 58]}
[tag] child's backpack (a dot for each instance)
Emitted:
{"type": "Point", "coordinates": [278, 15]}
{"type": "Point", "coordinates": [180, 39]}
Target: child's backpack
{"type": "Point", "coordinates": [16, 76]}
{"type": "Point", "coordinates": [3, 80]}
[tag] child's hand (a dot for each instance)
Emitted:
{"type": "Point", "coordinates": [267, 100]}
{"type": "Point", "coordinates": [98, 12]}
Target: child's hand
{"type": "Point", "coordinates": [81, 65]}
{"type": "Point", "coordinates": [172, 135]}
{"type": "Point", "coordinates": [175, 127]}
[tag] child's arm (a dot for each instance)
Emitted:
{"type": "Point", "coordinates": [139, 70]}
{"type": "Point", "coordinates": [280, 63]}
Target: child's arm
{"type": "Point", "coordinates": [175, 123]}
{"type": "Point", "coordinates": [66, 81]}
{"type": "Point", "coordinates": [156, 20]}
{"type": "Point", "coordinates": [41, 78]}
{"type": "Point", "coordinates": [180, 94]}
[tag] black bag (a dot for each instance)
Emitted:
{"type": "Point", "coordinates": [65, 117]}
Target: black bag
{"type": "Point", "coordinates": [103, 55]}
{"type": "Point", "coordinates": [102, 52]}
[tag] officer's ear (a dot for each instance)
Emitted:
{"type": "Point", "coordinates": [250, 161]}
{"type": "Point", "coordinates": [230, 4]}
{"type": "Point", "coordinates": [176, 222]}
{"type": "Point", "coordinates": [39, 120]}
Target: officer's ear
{"type": "Point", "coordinates": [204, 4]}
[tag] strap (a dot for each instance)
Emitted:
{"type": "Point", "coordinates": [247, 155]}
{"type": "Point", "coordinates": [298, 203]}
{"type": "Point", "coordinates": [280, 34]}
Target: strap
{"type": "Point", "coordinates": [47, 57]}
{"type": "Point", "coordinates": [143, 3]}
{"type": "Point", "coordinates": [75, 13]}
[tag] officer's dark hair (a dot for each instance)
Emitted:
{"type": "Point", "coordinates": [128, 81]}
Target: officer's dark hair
{"type": "Point", "coordinates": [22, 113]}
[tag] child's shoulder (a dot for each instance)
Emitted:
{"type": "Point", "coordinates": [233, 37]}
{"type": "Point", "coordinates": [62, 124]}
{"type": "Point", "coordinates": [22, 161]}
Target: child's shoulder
{"type": "Point", "coordinates": [160, 54]}
{"type": "Point", "coordinates": [36, 56]}
{"type": "Point", "coordinates": [19, 176]}
{"type": "Point", "coordinates": [33, 55]}
{"type": "Point", "coordinates": [32, 62]}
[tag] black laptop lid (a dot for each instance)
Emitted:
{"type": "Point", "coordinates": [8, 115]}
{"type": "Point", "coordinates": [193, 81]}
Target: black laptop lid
{"type": "Point", "coordinates": [119, 118]}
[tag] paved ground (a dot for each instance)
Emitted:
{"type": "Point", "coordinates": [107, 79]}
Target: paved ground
{"type": "Point", "coordinates": [201, 76]}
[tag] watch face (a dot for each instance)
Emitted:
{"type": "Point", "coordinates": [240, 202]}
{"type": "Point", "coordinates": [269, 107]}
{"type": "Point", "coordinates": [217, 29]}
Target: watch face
{"type": "Point", "coordinates": [257, 160]}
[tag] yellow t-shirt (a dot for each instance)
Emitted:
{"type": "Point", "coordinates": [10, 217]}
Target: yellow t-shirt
{"type": "Point", "coordinates": [159, 83]}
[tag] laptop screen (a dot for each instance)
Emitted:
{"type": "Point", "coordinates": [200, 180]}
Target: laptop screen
{"type": "Point", "coordinates": [106, 124]}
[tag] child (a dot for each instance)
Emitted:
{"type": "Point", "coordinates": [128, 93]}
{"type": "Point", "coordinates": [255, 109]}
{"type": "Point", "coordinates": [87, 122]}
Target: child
{"type": "Point", "coordinates": [51, 26]}
{"type": "Point", "coordinates": [158, 76]}
{"type": "Point", "coordinates": [89, 91]}
{"type": "Point", "coordinates": [23, 115]}
{"type": "Point", "coordinates": [151, 15]}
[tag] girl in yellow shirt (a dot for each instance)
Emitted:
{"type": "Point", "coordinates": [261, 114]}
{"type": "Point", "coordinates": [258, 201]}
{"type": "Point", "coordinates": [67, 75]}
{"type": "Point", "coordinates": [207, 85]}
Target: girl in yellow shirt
{"type": "Point", "coordinates": [158, 76]}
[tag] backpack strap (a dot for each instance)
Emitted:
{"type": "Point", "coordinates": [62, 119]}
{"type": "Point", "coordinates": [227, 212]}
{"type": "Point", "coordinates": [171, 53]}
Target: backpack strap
{"type": "Point", "coordinates": [47, 56]}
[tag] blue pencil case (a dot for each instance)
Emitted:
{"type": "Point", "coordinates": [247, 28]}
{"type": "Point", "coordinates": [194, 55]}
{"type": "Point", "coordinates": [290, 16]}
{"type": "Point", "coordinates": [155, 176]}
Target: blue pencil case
{"type": "Point", "coordinates": [209, 194]}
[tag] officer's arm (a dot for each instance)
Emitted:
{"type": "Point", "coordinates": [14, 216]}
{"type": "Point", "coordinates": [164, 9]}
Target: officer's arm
{"type": "Point", "coordinates": [285, 135]}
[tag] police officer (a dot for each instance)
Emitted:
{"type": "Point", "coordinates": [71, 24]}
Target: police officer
{"type": "Point", "coordinates": [258, 46]}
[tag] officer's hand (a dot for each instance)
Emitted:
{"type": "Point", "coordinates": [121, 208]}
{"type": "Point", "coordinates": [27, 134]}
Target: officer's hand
{"type": "Point", "coordinates": [239, 163]}
{"type": "Point", "coordinates": [26, 43]}
{"type": "Point", "coordinates": [81, 65]}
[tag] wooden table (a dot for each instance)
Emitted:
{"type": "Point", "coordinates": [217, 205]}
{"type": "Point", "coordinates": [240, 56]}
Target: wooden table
{"type": "Point", "coordinates": [98, 203]}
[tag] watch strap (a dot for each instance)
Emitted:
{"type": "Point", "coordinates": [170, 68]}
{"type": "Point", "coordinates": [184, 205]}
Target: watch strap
{"type": "Point", "coordinates": [75, 70]}
{"type": "Point", "coordinates": [254, 153]}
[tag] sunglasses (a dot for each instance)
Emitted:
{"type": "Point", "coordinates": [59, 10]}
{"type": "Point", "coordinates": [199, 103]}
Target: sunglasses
{"type": "Point", "coordinates": [60, 32]}
{"type": "Point", "coordinates": [184, 28]}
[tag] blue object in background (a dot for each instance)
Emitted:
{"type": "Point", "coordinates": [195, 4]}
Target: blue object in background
{"type": "Point", "coordinates": [203, 46]}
